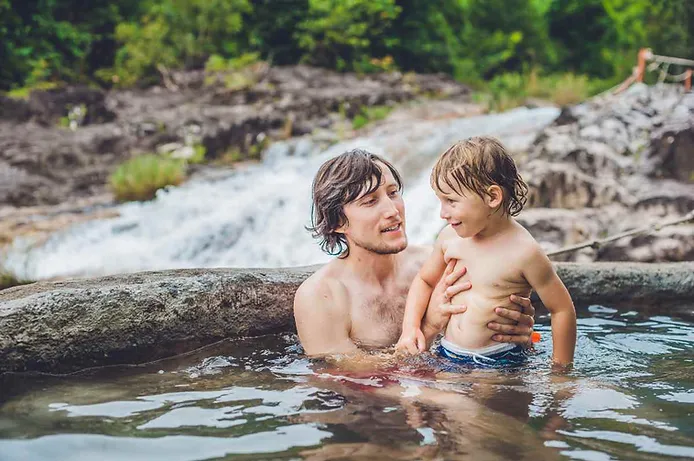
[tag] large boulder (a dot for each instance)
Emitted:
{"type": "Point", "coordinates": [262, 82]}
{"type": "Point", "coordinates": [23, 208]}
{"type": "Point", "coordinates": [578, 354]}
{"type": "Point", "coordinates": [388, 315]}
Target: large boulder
{"type": "Point", "coordinates": [630, 152]}
{"type": "Point", "coordinates": [63, 326]}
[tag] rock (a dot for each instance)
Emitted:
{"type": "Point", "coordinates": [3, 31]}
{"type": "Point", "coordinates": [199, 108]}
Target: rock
{"type": "Point", "coordinates": [670, 151]}
{"type": "Point", "coordinates": [281, 102]}
{"type": "Point", "coordinates": [563, 185]}
{"type": "Point", "coordinates": [628, 152]}
{"type": "Point", "coordinates": [14, 110]}
{"type": "Point", "coordinates": [65, 326]}
{"type": "Point", "coordinates": [48, 106]}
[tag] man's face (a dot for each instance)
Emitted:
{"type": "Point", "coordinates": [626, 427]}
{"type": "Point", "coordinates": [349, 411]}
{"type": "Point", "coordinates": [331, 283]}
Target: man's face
{"type": "Point", "coordinates": [376, 221]}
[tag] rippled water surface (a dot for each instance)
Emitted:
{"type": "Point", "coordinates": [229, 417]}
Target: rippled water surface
{"type": "Point", "coordinates": [630, 397]}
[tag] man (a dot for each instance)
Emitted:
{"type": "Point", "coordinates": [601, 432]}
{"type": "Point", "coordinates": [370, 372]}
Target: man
{"type": "Point", "coordinates": [358, 300]}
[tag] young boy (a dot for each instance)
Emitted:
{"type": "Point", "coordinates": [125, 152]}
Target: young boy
{"type": "Point", "coordinates": [480, 191]}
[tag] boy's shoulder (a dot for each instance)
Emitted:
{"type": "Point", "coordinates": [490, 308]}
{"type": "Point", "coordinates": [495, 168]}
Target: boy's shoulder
{"type": "Point", "coordinates": [525, 244]}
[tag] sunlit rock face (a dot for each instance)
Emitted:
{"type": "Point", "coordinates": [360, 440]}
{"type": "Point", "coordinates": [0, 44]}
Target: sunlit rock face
{"type": "Point", "coordinates": [621, 161]}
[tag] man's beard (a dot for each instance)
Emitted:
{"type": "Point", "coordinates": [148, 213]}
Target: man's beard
{"type": "Point", "coordinates": [382, 249]}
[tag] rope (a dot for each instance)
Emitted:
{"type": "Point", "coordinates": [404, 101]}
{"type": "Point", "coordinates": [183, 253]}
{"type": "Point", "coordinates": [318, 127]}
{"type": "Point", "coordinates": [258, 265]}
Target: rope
{"type": "Point", "coordinates": [670, 60]}
{"type": "Point", "coordinates": [595, 244]}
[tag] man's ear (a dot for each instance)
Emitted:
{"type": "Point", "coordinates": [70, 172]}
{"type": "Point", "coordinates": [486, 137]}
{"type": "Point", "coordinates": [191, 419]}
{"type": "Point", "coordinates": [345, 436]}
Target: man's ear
{"type": "Point", "coordinates": [495, 196]}
{"type": "Point", "coordinates": [341, 228]}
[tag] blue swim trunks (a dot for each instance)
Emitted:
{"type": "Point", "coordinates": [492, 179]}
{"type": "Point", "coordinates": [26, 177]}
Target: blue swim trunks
{"type": "Point", "coordinates": [502, 355]}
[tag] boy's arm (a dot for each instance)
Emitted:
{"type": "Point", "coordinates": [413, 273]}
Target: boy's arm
{"type": "Point", "coordinates": [542, 277]}
{"type": "Point", "coordinates": [321, 312]}
{"type": "Point", "coordinates": [419, 295]}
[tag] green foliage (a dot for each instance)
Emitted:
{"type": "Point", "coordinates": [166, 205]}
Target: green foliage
{"type": "Point", "coordinates": [128, 42]}
{"type": "Point", "coordinates": [199, 154]}
{"type": "Point", "coordinates": [370, 114]}
{"type": "Point", "coordinates": [509, 90]}
{"type": "Point", "coordinates": [346, 34]}
{"type": "Point", "coordinates": [56, 40]}
{"type": "Point", "coordinates": [177, 34]}
{"type": "Point", "coordinates": [236, 73]}
{"type": "Point", "coordinates": [23, 92]}
{"type": "Point", "coordinates": [8, 279]}
{"type": "Point", "coordinates": [141, 177]}
{"type": "Point", "coordinates": [505, 35]}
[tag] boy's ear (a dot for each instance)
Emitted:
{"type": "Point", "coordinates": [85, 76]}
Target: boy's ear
{"type": "Point", "coordinates": [495, 196]}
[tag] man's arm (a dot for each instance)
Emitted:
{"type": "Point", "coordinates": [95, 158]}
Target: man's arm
{"type": "Point", "coordinates": [321, 311]}
{"type": "Point", "coordinates": [542, 277]}
{"type": "Point", "coordinates": [524, 316]}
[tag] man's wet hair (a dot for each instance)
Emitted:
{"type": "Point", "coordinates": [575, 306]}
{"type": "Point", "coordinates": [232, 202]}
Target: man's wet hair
{"type": "Point", "coordinates": [476, 163]}
{"type": "Point", "coordinates": [340, 181]}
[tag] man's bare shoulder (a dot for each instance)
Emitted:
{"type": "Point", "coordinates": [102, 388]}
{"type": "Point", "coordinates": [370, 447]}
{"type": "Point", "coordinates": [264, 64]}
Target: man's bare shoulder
{"type": "Point", "coordinates": [422, 252]}
{"type": "Point", "coordinates": [322, 289]}
{"type": "Point", "coordinates": [417, 254]}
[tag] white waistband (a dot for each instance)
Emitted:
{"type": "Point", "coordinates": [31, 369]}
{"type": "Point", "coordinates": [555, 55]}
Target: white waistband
{"type": "Point", "coordinates": [483, 351]}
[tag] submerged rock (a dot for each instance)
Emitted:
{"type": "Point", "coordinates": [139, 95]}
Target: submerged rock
{"type": "Point", "coordinates": [65, 326]}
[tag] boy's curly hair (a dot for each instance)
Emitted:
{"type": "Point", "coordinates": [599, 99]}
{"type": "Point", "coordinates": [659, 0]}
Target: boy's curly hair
{"type": "Point", "coordinates": [477, 163]}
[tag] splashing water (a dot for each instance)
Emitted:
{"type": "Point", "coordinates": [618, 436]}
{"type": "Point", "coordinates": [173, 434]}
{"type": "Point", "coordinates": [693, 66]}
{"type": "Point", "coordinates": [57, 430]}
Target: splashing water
{"type": "Point", "coordinates": [256, 217]}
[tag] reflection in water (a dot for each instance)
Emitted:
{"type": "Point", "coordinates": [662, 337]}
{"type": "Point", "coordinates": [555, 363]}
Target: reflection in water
{"type": "Point", "coordinates": [629, 397]}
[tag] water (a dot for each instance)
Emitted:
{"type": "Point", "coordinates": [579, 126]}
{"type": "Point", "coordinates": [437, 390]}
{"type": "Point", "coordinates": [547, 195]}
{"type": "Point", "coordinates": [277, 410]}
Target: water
{"type": "Point", "coordinates": [630, 397]}
{"type": "Point", "coordinates": [256, 217]}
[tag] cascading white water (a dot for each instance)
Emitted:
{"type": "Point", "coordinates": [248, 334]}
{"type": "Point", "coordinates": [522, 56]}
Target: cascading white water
{"type": "Point", "coordinates": [256, 217]}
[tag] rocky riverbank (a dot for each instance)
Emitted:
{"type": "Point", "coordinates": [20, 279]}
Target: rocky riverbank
{"type": "Point", "coordinates": [611, 164]}
{"type": "Point", "coordinates": [45, 162]}
{"type": "Point", "coordinates": [615, 163]}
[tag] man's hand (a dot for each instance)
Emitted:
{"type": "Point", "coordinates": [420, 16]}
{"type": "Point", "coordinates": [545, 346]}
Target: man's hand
{"type": "Point", "coordinates": [440, 308]}
{"type": "Point", "coordinates": [521, 332]}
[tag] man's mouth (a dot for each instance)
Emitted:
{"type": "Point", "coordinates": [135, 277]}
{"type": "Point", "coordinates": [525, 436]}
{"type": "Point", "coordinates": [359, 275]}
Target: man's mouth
{"type": "Point", "coordinates": [394, 228]}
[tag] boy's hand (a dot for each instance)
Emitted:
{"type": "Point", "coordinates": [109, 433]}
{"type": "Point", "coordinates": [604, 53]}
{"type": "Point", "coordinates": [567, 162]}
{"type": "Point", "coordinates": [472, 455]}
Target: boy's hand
{"type": "Point", "coordinates": [524, 318]}
{"type": "Point", "coordinates": [412, 340]}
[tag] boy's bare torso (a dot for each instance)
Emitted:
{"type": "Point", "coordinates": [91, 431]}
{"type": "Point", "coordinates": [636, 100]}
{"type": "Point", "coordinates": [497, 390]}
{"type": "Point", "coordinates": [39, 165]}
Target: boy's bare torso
{"type": "Point", "coordinates": [495, 271]}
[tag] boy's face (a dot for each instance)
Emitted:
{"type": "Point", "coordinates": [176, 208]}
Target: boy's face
{"type": "Point", "coordinates": [468, 214]}
{"type": "Point", "coordinates": [376, 222]}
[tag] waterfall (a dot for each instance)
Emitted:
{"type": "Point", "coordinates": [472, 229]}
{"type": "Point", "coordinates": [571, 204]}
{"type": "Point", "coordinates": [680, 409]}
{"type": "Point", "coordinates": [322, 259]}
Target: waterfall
{"type": "Point", "coordinates": [256, 216]}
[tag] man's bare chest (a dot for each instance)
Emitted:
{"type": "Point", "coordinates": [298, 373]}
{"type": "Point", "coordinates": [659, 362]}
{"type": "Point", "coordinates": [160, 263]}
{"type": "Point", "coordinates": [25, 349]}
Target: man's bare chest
{"type": "Point", "coordinates": [377, 317]}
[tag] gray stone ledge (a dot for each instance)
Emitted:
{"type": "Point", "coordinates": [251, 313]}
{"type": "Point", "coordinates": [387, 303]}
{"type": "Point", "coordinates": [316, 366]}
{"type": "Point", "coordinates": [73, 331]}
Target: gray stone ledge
{"type": "Point", "coordinates": [133, 318]}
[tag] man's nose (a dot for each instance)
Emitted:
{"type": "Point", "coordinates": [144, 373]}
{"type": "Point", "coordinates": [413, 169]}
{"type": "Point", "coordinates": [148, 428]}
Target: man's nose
{"type": "Point", "coordinates": [389, 209]}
